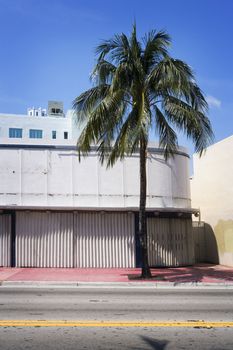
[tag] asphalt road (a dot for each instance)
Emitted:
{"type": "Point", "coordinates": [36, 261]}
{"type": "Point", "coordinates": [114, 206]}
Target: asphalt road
{"type": "Point", "coordinates": [104, 306]}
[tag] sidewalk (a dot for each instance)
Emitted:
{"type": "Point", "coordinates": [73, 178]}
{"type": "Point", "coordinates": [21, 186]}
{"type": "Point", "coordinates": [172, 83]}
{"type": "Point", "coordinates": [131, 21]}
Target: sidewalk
{"type": "Point", "coordinates": [201, 274]}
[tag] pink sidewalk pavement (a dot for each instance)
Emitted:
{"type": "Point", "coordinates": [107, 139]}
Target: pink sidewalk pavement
{"type": "Point", "coordinates": [201, 273]}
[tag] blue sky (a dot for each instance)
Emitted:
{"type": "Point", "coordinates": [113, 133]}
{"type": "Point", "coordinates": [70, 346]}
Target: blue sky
{"type": "Point", "coordinates": [47, 47]}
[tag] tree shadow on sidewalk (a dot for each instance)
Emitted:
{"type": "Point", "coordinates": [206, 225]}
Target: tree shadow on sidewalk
{"type": "Point", "coordinates": [198, 273]}
{"type": "Point", "coordinates": [153, 344]}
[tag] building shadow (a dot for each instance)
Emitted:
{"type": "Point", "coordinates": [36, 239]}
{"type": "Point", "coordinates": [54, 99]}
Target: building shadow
{"type": "Point", "coordinates": [212, 255]}
{"type": "Point", "coordinates": [205, 243]}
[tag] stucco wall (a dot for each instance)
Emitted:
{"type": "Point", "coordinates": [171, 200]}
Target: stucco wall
{"type": "Point", "coordinates": [212, 192]}
{"type": "Point", "coordinates": [40, 176]}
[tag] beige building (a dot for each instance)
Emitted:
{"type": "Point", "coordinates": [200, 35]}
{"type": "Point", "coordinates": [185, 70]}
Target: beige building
{"type": "Point", "coordinates": [212, 192]}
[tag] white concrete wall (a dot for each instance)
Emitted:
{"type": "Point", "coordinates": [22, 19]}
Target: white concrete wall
{"type": "Point", "coordinates": [212, 192]}
{"type": "Point", "coordinates": [55, 178]}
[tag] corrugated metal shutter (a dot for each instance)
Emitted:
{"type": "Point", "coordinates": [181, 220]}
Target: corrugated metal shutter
{"type": "Point", "coordinates": [44, 239]}
{"type": "Point", "coordinates": [5, 240]}
{"type": "Point", "coordinates": [104, 240]}
{"type": "Point", "coordinates": [170, 242]}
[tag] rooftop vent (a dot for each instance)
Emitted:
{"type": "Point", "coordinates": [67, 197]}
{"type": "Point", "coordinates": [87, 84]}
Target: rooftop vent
{"type": "Point", "coordinates": [55, 108]}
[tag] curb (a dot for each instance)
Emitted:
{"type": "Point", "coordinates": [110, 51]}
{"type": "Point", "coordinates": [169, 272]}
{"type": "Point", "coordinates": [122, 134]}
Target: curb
{"type": "Point", "coordinates": [153, 285]}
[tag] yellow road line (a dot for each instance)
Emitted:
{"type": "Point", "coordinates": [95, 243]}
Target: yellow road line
{"type": "Point", "coordinates": [61, 323]}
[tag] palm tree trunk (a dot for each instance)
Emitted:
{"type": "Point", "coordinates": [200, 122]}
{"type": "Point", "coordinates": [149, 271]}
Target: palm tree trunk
{"type": "Point", "coordinates": [142, 211]}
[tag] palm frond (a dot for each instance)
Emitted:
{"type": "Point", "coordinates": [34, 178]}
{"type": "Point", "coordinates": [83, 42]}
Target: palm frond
{"type": "Point", "coordinates": [171, 76]}
{"type": "Point", "coordinates": [117, 48]}
{"type": "Point", "coordinates": [85, 103]}
{"type": "Point", "coordinates": [156, 44]}
{"type": "Point", "coordinates": [167, 136]}
{"type": "Point", "coordinates": [189, 120]}
{"type": "Point", "coordinates": [99, 124]}
{"type": "Point", "coordinates": [196, 98]}
{"type": "Point", "coordinates": [127, 139]}
{"type": "Point", "coordinates": [103, 72]}
{"type": "Point", "coordinates": [135, 45]}
{"type": "Point", "coordinates": [122, 78]}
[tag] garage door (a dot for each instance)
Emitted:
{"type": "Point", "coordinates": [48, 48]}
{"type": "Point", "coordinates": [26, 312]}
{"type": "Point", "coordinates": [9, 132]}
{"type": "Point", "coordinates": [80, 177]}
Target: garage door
{"type": "Point", "coordinates": [104, 240]}
{"type": "Point", "coordinates": [44, 239]}
{"type": "Point", "coordinates": [5, 240]}
{"type": "Point", "coordinates": [170, 242]}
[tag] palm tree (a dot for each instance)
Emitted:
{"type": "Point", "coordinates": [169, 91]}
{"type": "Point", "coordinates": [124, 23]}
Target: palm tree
{"type": "Point", "coordinates": [139, 87]}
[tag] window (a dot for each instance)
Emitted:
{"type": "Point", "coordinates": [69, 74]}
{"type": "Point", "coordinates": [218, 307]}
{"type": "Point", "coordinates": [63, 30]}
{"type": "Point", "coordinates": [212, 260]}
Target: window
{"type": "Point", "coordinates": [15, 133]}
{"type": "Point", "coordinates": [36, 114]}
{"type": "Point", "coordinates": [56, 111]}
{"type": "Point", "coordinates": [65, 135]}
{"type": "Point", "coordinates": [35, 134]}
{"type": "Point", "coordinates": [54, 134]}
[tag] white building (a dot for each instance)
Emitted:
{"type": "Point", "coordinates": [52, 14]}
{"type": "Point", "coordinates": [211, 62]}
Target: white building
{"type": "Point", "coordinates": [59, 212]}
{"type": "Point", "coordinates": [38, 126]}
